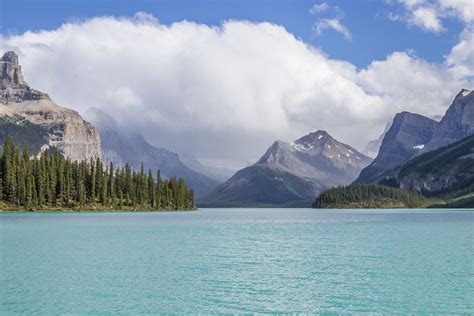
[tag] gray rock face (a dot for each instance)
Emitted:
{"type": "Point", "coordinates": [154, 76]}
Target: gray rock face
{"type": "Point", "coordinates": [291, 174]}
{"type": "Point", "coordinates": [412, 134]}
{"type": "Point", "coordinates": [121, 148]}
{"type": "Point", "coordinates": [456, 124]}
{"type": "Point", "coordinates": [408, 134]}
{"type": "Point", "coordinates": [75, 138]}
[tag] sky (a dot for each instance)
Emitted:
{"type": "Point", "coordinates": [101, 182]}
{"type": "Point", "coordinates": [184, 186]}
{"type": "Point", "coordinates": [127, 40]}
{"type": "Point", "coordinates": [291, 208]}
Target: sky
{"type": "Point", "coordinates": [224, 79]}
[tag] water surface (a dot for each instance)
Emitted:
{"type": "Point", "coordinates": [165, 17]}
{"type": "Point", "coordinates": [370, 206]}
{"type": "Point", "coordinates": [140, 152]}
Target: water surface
{"type": "Point", "coordinates": [238, 261]}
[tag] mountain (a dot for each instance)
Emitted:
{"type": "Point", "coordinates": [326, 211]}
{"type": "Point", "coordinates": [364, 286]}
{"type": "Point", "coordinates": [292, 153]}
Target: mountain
{"type": "Point", "coordinates": [126, 147]}
{"type": "Point", "coordinates": [406, 136]}
{"type": "Point", "coordinates": [442, 178]}
{"type": "Point", "coordinates": [456, 124]}
{"type": "Point", "coordinates": [291, 174]}
{"type": "Point", "coordinates": [75, 138]}
{"type": "Point", "coordinates": [446, 171]}
{"type": "Point", "coordinates": [413, 134]}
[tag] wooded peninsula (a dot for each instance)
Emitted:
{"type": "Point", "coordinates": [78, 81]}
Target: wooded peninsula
{"type": "Point", "coordinates": [48, 182]}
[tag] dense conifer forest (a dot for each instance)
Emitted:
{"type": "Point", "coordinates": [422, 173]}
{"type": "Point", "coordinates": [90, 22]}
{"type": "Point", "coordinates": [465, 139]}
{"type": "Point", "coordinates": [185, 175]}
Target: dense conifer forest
{"type": "Point", "coordinates": [51, 182]}
{"type": "Point", "coordinates": [369, 196]}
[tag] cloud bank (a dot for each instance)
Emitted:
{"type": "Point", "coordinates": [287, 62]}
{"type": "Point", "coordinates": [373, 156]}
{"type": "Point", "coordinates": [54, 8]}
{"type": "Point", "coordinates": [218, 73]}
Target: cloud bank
{"type": "Point", "coordinates": [226, 92]}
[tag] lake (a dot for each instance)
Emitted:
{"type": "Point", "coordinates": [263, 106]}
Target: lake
{"type": "Point", "coordinates": [238, 261]}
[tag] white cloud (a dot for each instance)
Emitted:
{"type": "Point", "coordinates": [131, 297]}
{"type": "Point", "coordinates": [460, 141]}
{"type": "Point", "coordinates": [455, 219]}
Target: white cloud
{"type": "Point", "coordinates": [461, 58]}
{"type": "Point", "coordinates": [427, 19]}
{"type": "Point", "coordinates": [429, 14]}
{"type": "Point", "coordinates": [334, 24]}
{"type": "Point", "coordinates": [318, 8]}
{"type": "Point", "coordinates": [461, 9]}
{"type": "Point", "coordinates": [227, 92]}
{"type": "Point", "coordinates": [407, 81]}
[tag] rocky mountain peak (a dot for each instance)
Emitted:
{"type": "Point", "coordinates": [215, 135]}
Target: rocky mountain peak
{"type": "Point", "coordinates": [407, 136]}
{"type": "Point", "coordinates": [314, 137]}
{"type": "Point", "coordinates": [10, 57]}
{"type": "Point", "coordinates": [13, 87]}
{"type": "Point", "coordinates": [11, 71]}
{"type": "Point", "coordinates": [463, 93]}
{"type": "Point", "coordinates": [457, 123]}
{"type": "Point", "coordinates": [75, 138]}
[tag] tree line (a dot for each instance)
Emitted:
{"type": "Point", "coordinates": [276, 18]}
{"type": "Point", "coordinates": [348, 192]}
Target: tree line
{"type": "Point", "coordinates": [50, 181]}
{"type": "Point", "coordinates": [368, 196]}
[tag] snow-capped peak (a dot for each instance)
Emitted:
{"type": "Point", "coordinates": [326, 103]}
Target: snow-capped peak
{"type": "Point", "coordinates": [465, 92]}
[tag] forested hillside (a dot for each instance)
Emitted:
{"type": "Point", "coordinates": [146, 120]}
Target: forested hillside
{"type": "Point", "coordinates": [52, 182]}
{"type": "Point", "coordinates": [23, 132]}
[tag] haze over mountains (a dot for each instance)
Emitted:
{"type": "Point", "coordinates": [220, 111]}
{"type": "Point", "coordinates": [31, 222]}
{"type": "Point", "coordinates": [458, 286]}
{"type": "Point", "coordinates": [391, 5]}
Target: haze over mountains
{"type": "Point", "coordinates": [291, 174]}
{"type": "Point", "coordinates": [121, 147]}
{"type": "Point", "coordinates": [31, 117]}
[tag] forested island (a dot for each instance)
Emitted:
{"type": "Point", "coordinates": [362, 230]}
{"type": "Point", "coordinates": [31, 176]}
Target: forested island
{"type": "Point", "coordinates": [50, 182]}
{"type": "Point", "coordinates": [381, 196]}
{"type": "Point", "coordinates": [370, 196]}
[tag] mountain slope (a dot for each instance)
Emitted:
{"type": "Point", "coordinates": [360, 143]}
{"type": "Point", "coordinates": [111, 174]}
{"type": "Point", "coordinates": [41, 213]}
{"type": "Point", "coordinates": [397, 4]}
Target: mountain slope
{"type": "Point", "coordinates": [407, 135]}
{"type": "Point", "coordinates": [75, 138]}
{"type": "Point", "coordinates": [132, 148]}
{"type": "Point", "coordinates": [291, 174]}
{"type": "Point", "coordinates": [446, 171]}
{"type": "Point", "coordinates": [23, 131]}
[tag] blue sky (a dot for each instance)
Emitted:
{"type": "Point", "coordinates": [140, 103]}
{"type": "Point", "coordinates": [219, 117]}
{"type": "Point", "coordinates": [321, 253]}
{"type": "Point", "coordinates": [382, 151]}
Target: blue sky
{"type": "Point", "coordinates": [374, 36]}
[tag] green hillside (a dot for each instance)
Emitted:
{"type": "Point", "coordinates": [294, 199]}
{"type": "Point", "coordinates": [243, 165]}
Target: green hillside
{"type": "Point", "coordinates": [23, 132]}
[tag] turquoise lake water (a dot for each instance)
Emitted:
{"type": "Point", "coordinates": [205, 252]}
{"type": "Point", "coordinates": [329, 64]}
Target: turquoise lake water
{"type": "Point", "coordinates": [238, 261]}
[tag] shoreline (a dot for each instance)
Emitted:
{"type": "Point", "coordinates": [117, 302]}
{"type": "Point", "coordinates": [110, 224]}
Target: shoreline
{"type": "Point", "coordinates": [96, 211]}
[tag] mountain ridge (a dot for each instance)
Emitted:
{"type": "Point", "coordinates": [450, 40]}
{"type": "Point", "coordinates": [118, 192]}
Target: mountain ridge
{"type": "Point", "coordinates": [413, 134]}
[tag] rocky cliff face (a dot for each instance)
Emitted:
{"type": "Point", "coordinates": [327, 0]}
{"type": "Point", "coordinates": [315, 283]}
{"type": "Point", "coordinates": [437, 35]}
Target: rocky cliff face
{"type": "Point", "coordinates": [407, 135]}
{"type": "Point", "coordinates": [291, 174]}
{"type": "Point", "coordinates": [456, 124]}
{"type": "Point", "coordinates": [75, 138]}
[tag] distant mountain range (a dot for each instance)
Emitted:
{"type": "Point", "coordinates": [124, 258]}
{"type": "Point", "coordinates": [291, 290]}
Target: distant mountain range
{"type": "Point", "coordinates": [291, 174]}
{"type": "Point", "coordinates": [128, 147]}
{"type": "Point", "coordinates": [415, 152]}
